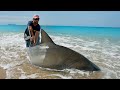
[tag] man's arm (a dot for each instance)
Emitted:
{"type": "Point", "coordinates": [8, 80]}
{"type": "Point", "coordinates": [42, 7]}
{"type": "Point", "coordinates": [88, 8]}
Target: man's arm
{"type": "Point", "coordinates": [31, 33]}
{"type": "Point", "coordinates": [31, 30]}
{"type": "Point", "coordinates": [37, 34]}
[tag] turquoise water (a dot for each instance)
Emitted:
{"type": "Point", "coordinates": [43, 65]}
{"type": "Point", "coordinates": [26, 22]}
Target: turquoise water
{"type": "Point", "coordinates": [69, 30]}
{"type": "Point", "coordinates": [101, 45]}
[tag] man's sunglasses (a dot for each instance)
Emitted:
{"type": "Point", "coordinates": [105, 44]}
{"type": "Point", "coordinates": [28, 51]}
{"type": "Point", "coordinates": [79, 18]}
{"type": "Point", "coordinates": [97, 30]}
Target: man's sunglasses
{"type": "Point", "coordinates": [35, 18]}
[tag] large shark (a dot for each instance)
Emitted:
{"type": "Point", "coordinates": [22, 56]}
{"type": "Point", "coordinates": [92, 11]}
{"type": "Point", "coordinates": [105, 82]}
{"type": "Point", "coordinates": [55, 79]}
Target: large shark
{"type": "Point", "coordinates": [50, 55]}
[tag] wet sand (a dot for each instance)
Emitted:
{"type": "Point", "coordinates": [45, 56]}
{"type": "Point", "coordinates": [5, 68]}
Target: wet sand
{"type": "Point", "coordinates": [2, 73]}
{"type": "Point", "coordinates": [29, 71]}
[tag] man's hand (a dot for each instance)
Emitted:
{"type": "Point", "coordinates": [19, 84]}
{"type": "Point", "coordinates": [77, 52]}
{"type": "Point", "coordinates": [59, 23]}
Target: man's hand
{"type": "Point", "coordinates": [34, 44]}
{"type": "Point", "coordinates": [32, 38]}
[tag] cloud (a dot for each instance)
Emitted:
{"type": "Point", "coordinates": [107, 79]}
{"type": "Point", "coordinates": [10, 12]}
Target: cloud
{"type": "Point", "coordinates": [13, 19]}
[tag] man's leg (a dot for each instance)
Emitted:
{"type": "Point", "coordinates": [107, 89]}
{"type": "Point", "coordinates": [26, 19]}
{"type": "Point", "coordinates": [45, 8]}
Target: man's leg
{"type": "Point", "coordinates": [27, 43]}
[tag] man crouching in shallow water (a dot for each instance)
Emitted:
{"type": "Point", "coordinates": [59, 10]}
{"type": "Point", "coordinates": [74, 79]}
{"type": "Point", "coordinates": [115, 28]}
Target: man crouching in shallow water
{"type": "Point", "coordinates": [31, 34]}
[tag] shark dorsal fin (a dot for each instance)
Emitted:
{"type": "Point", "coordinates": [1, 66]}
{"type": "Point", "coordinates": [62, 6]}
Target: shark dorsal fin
{"type": "Point", "coordinates": [45, 38]}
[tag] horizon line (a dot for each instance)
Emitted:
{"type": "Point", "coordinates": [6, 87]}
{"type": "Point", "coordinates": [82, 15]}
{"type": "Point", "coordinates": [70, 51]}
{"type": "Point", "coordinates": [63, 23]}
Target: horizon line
{"type": "Point", "coordinates": [68, 25]}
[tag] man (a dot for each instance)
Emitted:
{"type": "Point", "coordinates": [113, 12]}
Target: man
{"type": "Point", "coordinates": [31, 34]}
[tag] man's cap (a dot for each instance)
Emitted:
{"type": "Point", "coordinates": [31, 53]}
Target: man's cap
{"type": "Point", "coordinates": [36, 16]}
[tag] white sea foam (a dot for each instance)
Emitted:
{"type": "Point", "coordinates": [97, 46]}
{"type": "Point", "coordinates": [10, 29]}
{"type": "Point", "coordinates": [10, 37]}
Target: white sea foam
{"type": "Point", "coordinates": [61, 76]}
{"type": "Point", "coordinates": [12, 64]}
{"type": "Point", "coordinates": [32, 76]}
{"type": "Point", "coordinates": [12, 50]}
{"type": "Point", "coordinates": [12, 47]}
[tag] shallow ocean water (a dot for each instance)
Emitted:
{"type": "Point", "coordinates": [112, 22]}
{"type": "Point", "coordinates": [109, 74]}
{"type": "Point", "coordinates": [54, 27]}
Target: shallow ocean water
{"type": "Point", "coordinates": [103, 51]}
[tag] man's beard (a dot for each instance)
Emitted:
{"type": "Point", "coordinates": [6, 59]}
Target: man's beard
{"type": "Point", "coordinates": [36, 22]}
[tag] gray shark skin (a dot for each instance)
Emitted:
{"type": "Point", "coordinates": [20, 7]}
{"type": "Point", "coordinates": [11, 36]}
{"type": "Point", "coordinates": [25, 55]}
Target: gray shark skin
{"type": "Point", "coordinates": [60, 57]}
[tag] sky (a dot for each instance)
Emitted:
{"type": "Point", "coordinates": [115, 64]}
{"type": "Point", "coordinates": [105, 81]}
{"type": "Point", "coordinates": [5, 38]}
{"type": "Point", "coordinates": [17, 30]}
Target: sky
{"type": "Point", "coordinates": [69, 18]}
